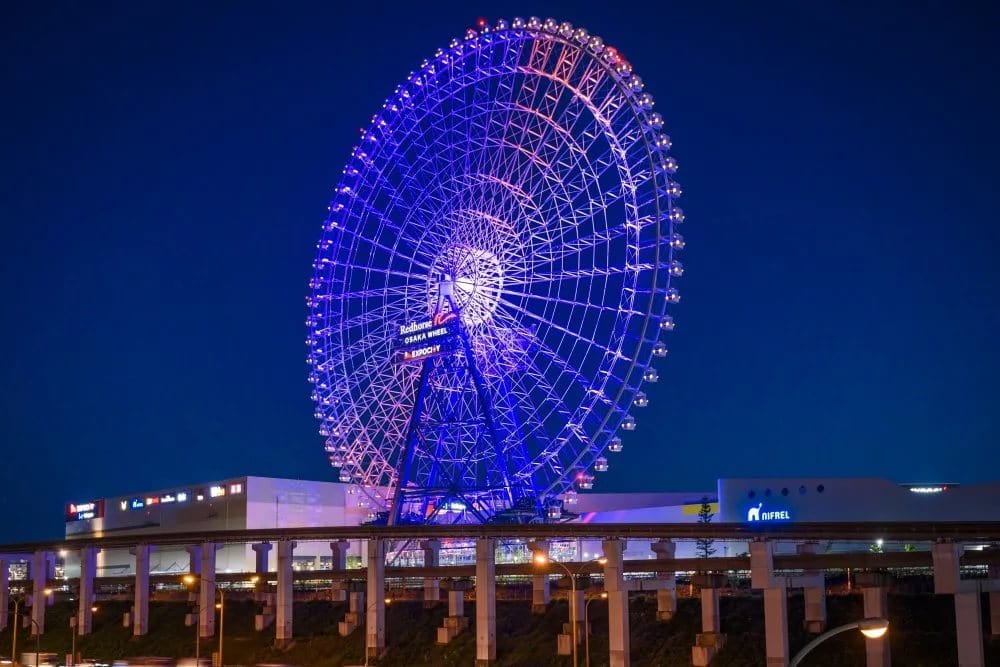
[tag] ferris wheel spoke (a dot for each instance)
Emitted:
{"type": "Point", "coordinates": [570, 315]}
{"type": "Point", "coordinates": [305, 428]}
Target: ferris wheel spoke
{"type": "Point", "coordinates": [370, 293]}
{"type": "Point", "coordinates": [552, 254]}
{"type": "Point", "coordinates": [359, 235]}
{"type": "Point", "coordinates": [520, 164]}
{"type": "Point", "coordinates": [579, 274]}
{"type": "Point", "coordinates": [558, 327]}
{"type": "Point", "coordinates": [570, 432]}
{"type": "Point", "coordinates": [614, 309]}
{"type": "Point", "coordinates": [385, 312]}
{"type": "Point", "coordinates": [554, 358]}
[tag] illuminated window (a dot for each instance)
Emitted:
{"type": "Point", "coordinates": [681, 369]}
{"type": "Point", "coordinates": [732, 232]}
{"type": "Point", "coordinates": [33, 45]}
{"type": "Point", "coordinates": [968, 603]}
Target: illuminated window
{"type": "Point", "coordinates": [236, 488]}
{"type": "Point", "coordinates": [217, 491]}
{"type": "Point", "coordinates": [182, 497]}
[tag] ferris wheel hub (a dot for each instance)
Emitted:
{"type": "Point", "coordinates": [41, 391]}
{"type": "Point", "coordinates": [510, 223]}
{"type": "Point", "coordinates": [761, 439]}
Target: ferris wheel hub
{"type": "Point", "coordinates": [474, 279]}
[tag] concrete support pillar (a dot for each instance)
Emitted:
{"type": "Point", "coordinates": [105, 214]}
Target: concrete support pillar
{"type": "Point", "coordinates": [42, 564]}
{"type": "Point", "coordinates": [710, 640]}
{"type": "Point", "coordinates": [88, 570]}
{"type": "Point", "coordinates": [4, 592]}
{"type": "Point", "coordinates": [283, 613]}
{"type": "Point", "coordinates": [262, 552]}
{"type": "Point", "coordinates": [614, 584]}
{"type": "Point", "coordinates": [876, 605]}
{"type": "Point", "coordinates": [813, 596]}
{"type": "Point", "coordinates": [875, 594]}
{"type": "Point", "coordinates": [206, 588]}
{"type": "Point", "coordinates": [968, 605]}
{"type": "Point", "coordinates": [486, 594]}
{"type": "Point", "coordinates": [969, 628]}
{"type": "Point", "coordinates": [375, 623]}
{"type": "Point", "coordinates": [946, 557]}
{"type": "Point", "coordinates": [775, 602]}
{"type": "Point", "coordinates": [539, 582]}
{"type": "Point", "coordinates": [432, 558]}
{"type": "Point", "coordinates": [355, 609]}
{"type": "Point", "coordinates": [776, 626]}
{"type": "Point", "coordinates": [356, 602]}
{"type": "Point", "coordinates": [456, 620]}
{"type": "Point", "coordinates": [666, 592]}
{"type": "Point", "coordinates": [338, 551]}
{"type": "Point", "coordinates": [140, 600]}
{"type": "Point", "coordinates": [994, 604]}
{"type": "Point", "coordinates": [194, 556]}
{"type": "Point", "coordinates": [577, 601]}
{"type": "Point", "coordinates": [564, 642]}
{"type": "Point", "coordinates": [710, 611]}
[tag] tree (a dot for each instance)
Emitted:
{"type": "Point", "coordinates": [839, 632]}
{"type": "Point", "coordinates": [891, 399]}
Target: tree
{"type": "Point", "coordinates": [705, 546]}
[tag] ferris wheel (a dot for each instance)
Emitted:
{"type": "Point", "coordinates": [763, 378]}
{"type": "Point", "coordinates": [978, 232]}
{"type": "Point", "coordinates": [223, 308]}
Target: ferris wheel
{"type": "Point", "coordinates": [492, 282]}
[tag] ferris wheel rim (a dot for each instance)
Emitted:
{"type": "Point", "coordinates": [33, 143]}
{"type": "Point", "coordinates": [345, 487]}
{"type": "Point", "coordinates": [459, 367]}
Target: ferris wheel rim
{"type": "Point", "coordinates": [624, 389]}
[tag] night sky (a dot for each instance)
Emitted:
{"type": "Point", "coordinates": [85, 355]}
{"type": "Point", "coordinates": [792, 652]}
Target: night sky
{"type": "Point", "coordinates": [166, 167]}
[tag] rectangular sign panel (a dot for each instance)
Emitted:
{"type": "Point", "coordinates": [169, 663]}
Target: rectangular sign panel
{"type": "Point", "coordinates": [83, 511]}
{"type": "Point", "coordinates": [421, 340]}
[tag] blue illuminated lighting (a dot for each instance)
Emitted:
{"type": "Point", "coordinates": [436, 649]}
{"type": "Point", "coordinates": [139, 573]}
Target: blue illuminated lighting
{"type": "Point", "coordinates": [519, 184]}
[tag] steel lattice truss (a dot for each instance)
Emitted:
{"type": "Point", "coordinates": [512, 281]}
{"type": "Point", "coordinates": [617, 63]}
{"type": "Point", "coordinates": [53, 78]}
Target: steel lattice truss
{"type": "Point", "coordinates": [524, 162]}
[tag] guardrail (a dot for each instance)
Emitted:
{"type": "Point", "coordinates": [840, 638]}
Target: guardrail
{"type": "Point", "coordinates": [964, 531]}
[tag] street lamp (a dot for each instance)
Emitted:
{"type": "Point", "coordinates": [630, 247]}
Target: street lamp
{"type": "Point", "coordinates": [222, 615]}
{"type": "Point", "coordinates": [76, 632]}
{"type": "Point", "coordinates": [364, 633]}
{"type": "Point", "coordinates": [542, 559]}
{"type": "Point", "coordinates": [872, 628]}
{"type": "Point", "coordinates": [13, 631]}
{"type": "Point", "coordinates": [586, 624]}
{"type": "Point", "coordinates": [190, 579]}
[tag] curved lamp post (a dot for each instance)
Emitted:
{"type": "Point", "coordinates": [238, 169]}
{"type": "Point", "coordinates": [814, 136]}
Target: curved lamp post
{"type": "Point", "coordinates": [542, 559]}
{"type": "Point", "coordinates": [586, 625]}
{"type": "Point", "coordinates": [13, 630]}
{"type": "Point", "coordinates": [191, 579]}
{"type": "Point", "coordinates": [872, 628]}
{"type": "Point", "coordinates": [364, 637]}
{"type": "Point", "coordinates": [76, 631]}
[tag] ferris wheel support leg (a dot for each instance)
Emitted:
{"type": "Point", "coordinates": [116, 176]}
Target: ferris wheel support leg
{"type": "Point", "coordinates": [486, 405]}
{"type": "Point", "coordinates": [406, 461]}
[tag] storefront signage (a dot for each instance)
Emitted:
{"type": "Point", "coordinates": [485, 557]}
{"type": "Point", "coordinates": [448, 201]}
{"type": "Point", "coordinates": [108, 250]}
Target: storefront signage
{"type": "Point", "coordinates": [758, 513]}
{"type": "Point", "coordinates": [83, 511]}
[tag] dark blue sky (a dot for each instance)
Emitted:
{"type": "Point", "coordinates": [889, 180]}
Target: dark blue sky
{"type": "Point", "coordinates": [166, 167]}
